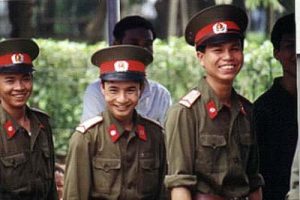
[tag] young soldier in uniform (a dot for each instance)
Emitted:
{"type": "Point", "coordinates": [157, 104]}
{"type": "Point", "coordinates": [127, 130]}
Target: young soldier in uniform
{"type": "Point", "coordinates": [211, 152]}
{"type": "Point", "coordinates": [26, 146]}
{"type": "Point", "coordinates": [118, 154]}
{"type": "Point", "coordinates": [155, 99]}
{"type": "Point", "coordinates": [275, 114]}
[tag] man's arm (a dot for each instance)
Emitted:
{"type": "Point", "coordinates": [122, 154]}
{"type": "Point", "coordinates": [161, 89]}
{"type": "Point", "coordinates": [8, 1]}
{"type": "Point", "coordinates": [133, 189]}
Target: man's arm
{"type": "Point", "coordinates": [93, 101]}
{"type": "Point", "coordinates": [77, 181]}
{"type": "Point", "coordinates": [180, 193]}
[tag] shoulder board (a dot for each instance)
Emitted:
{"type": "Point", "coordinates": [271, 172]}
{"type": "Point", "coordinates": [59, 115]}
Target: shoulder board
{"type": "Point", "coordinates": [39, 111]}
{"type": "Point", "coordinates": [153, 121]}
{"type": "Point", "coordinates": [84, 126]}
{"type": "Point", "coordinates": [189, 99]}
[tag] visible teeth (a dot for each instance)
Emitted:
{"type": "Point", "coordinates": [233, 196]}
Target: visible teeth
{"type": "Point", "coordinates": [227, 66]}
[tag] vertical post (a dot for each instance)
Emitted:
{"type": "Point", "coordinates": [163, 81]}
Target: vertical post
{"type": "Point", "coordinates": [297, 15]}
{"type": "Point", "coordinates": [113, 16]}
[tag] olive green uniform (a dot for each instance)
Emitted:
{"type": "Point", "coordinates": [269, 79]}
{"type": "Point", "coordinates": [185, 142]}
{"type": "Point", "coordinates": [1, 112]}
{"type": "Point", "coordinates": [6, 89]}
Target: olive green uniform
{"type": "Point", "coordinates": [210, 147]}
{"type": "Point", "coordinates": [26, 158]}
{"type": "Point", "coordinates": [106, 162]}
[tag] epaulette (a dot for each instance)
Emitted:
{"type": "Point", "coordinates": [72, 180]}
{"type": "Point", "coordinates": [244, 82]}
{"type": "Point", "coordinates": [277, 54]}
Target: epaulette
{"type": "Point", "coordinates": [39, 111]}
{"type": "Point", "coordinates": [153, 121]}
{"type": "Point", "coordinates": [189, 99]}
{"type": "Point", "coordinates": [84, 126]}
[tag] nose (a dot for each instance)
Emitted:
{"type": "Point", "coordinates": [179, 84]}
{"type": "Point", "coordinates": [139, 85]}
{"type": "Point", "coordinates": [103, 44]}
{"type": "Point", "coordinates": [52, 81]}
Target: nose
{"type": "Point", "coordinates": [19, 85]}
{"type": "Point", "coordinates": [227, 55]}
{"type": "Point", "coordinates": [122, 97]}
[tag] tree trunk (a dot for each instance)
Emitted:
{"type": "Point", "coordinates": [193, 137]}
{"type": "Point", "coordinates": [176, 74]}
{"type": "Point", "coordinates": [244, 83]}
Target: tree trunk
{"type": "Point", "coordinates": [20, 14]}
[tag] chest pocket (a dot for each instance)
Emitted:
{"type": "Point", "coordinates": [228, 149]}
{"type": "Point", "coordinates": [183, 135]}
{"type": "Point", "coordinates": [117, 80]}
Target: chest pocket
{"type": "Point", "coordinates": [149, 176]}
{"type": "Point", "coordinates": [14, 170]}
{"type": "Point", "coordinates": [211, 153]}
{"type": "Point", "coordinates": [105, 172]}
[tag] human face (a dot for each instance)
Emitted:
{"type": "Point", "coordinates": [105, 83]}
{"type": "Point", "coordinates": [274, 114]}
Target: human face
{"type": "Point", "coordinates": [15, 90]}
{"type": "Point", "coordinates": [286, 54]}
{"type": "Point", "coordinates": [121, 98]}
{"type": "Point", "coordinates": [222, 62]}
{"type": "Point", "coordinates": [140, 37]}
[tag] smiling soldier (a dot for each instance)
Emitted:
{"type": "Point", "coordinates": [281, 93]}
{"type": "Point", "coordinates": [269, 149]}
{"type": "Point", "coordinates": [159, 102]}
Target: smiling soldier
{"type": "Point", "coordinates": [26, 146]}
{"type": "Point", "coordinates": [211, 153]}
{"type": "Point", "coordinates": [118, 154]}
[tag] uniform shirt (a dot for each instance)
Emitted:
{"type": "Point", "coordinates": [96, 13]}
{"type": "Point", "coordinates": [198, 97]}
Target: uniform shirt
{"type": "Point", "coordinates": [275, 119]}
{"type": "Point", "coordinates": [210, 148]}
{"type": "Point", "coordinates": [107, 162]}
{"type": "Point", "coordinates": [26, 158]}
{"type": "Point", "coordinates": [154, 102]}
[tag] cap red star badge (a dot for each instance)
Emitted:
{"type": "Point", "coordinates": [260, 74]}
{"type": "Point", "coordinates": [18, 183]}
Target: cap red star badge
{"type": "Point", "coordinates": [211, 109]}
{"type": "Point", "coordinates": [141, 132]}
{"type": "Point", "coordinates": [10, 130]}
{"type": "Point", "coordinates": [113, 132]}
{"type": "Point", "coordinates": [220, 27]}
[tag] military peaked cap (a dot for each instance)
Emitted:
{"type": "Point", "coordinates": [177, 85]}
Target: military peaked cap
{"type": "Point", "coordinates": [122, 62]}
{"type": "Point", "coordinates": [216, 24]}
{"type": "Point", "coordinates": [17, 54]}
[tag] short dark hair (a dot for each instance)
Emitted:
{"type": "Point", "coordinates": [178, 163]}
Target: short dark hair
{"type": "Point", "coordinates": [284, 25]}
{"type": "Point", "coordinates": [131, 22]}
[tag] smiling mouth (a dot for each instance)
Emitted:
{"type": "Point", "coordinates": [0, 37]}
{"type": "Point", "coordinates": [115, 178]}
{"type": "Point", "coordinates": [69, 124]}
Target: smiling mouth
{"type": "Point", "coordinates": [227, 66]}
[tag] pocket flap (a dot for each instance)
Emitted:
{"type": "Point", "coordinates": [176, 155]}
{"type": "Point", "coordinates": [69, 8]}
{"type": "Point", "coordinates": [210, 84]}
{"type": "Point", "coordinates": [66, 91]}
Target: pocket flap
{"type": "Point", "coordinates": [213, 140]}
{"type": "Point", "coordinates": [106, 164]}
{"type": "Point", "coordinates": [13, 160]}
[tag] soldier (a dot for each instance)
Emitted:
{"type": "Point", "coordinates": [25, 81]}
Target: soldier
{"type": "Point", "coordinates": [118, 154]}
{"type": "Point", "coordinates": [26, 150]}
{"type": "Point", "coordinates": [156, 99]}
{"type": "Point", "coordinates": [211, 152]}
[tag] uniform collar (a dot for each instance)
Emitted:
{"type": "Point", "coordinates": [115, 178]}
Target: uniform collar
{"type": "Point", "coordinates": [115, 129]}
{"type": "Point", "coordinates": [212, 102]}
{"type": "Point", "coordinates": [11, 126]}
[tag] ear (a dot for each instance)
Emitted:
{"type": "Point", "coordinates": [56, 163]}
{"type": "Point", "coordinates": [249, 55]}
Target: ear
{"type": "Point", "coordinates": [102, 85]}
{"type": "Point", "coordinates": [142, 87]}
{"type": "Point", "coordinates": [276, 53]}
{"type": "Point", "coordinates": [200, 56]}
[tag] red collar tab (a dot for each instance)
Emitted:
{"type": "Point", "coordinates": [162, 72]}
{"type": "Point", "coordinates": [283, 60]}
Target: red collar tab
{"type": "Point", "coordinates": [211, 109]}
{"type": "Point", "coordinates": [141, 132]}
{"type": "Point", "coordinates": [122, 66]}
{"type": "Point", "coordinates": [10, 129]}
{"type": "Point", "coordinates": [216, 28]}
{"type": "Point", "coordinates": [15, 58]}
{"type": "Point", "coordinates": [113, 132]}
{"type": "Point", "coordinates": [42, 126]}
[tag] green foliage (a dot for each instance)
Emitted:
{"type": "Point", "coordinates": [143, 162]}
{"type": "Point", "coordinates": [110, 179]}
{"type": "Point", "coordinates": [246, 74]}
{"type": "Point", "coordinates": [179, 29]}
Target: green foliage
{"type": "Point", "coordinates": [64, 70]}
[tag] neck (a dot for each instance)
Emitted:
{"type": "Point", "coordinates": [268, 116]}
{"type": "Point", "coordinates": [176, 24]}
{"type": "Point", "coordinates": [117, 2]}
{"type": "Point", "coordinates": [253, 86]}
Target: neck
{"type": "Point", "coordinates": [289, 83]}
{"type": "Point", "coordinates": [222, 91]}
{"type": "Point", "coordinates": [18, 113]}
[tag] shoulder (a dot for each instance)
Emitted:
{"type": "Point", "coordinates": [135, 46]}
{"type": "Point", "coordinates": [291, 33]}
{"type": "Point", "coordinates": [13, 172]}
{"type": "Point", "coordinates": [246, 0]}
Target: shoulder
{"type": "Point", "coordinates": [155, 86]}
{"type": "Point", "coordinates": [94, 86]}
{"type": "Point", "coordinates": [39, 112]}
{"type": "Point", "coordinates": [190, 98]}
{"type": "Point", "coordinates": [84, 126]}
{"type": "Point", "coordinates": [152, 122]}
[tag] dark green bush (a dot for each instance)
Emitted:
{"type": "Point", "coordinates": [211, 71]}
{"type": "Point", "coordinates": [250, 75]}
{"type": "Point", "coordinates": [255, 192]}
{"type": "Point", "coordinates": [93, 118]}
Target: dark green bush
{"type": "Point", "coordinates": [64, 71]}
